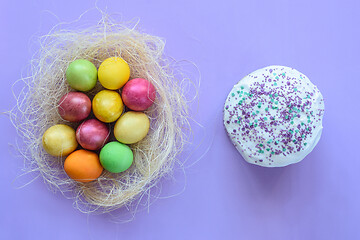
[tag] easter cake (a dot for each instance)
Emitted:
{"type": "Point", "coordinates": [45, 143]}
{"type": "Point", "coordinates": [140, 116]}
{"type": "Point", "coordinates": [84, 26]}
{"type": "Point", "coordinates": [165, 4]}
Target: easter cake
{"type": "Point", "coordinates": [273, 116]}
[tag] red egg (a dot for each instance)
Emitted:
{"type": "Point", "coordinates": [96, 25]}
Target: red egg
{"type": "Point", "coordinates": [92, 134]}
{"type": "Point", "coordinates": [138, 94]}
{"type": "Point", "coordinates": [74, 106]}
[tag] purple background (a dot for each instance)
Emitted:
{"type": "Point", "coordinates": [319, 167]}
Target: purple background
{"type": "Point", "coordinates": [224, 197]}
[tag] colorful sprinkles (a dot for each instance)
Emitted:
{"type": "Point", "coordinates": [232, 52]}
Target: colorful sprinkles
{"type": "Point", "coordinates": [277, 114]}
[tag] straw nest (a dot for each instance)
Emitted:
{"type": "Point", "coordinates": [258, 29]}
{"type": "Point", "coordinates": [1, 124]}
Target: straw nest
{"type": "Point", "coordinates": [37, 104]}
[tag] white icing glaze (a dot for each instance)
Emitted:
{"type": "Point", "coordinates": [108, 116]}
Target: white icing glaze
{"type": "Point", "coordinates": [284, 94]}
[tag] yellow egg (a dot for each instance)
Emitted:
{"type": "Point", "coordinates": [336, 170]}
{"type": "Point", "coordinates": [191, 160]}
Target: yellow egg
{"type": "Point", "coordinates": [107, 106]}
{"type": "Point", "coordinates": [131, 127]}
{"type": "Point", "coordinates": [113, 73]}
{"type": "Point", "coordinates": [59, 140]}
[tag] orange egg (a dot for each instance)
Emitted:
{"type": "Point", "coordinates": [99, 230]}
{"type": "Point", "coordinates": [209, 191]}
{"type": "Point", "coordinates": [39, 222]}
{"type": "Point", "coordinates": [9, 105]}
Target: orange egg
{"type": "Point", "coordinates": [83, 166]}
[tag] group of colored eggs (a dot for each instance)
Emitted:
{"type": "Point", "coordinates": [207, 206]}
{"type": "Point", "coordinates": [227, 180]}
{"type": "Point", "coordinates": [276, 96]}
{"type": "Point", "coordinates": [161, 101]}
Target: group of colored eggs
{"type": "Point", "coordinates": [138, 94]}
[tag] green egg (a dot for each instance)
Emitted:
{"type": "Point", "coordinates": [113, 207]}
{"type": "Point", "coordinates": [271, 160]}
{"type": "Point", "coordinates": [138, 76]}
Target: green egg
{"type": "Point", "coordinates": [116, 157]}
{"type": "Point", "coordinates": [81, 75]}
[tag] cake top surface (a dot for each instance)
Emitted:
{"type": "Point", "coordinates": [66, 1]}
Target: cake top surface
{"type": "Point", "coordinates": [274, 116]}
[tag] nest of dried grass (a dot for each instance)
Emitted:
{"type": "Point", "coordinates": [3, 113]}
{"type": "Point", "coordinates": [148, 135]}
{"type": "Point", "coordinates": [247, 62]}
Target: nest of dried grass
{"type": "Point", "coordinates": [37, 104]}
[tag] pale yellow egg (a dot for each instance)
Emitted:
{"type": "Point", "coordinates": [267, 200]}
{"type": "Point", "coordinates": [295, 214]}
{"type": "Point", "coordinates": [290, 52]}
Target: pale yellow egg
{"type": "Point", "coordinates": [131, 127]}
{"type": "Point", "coordinates": [59, 140]}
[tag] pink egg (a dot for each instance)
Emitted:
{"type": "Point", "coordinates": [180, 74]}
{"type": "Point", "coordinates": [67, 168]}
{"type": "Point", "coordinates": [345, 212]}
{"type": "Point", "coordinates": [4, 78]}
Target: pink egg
{"type": "Point", "coordinates": [138, 94]}
{"type": "Point", "coordinates": [92, 134]}
{"type": "Point", "coordinates": [74, 106]}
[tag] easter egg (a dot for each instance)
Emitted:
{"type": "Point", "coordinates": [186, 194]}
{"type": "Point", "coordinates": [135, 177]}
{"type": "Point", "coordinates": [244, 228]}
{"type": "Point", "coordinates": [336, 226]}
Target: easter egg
{"type": "Point", "coordinates": [83, 166]}
{"type": "Point", "coordinates": [92, 134]}
{"type": "Point", "coordinates": [59, 140]}
{"type": "Point", "coordinates": [116, 157]}
{"type": "Point", "coordinates": [74, 106]}
{"type": "Point", "coordinates": [81, 75]}
{"type": "Point", "coordinates": [113, 73]}
{"type": "Point", "coordinates": [107, 106]}
{"type": "Point", "coordinates": [131, 127]}
{"type": "Point", "coordinates": [138, 94]}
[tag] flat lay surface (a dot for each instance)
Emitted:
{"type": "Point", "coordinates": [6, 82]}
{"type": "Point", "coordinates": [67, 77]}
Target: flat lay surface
{"type": "Point", "coordinates": [214, 194]}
